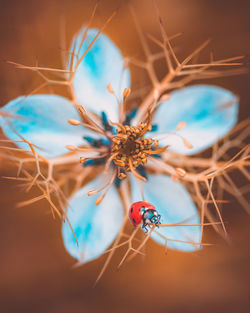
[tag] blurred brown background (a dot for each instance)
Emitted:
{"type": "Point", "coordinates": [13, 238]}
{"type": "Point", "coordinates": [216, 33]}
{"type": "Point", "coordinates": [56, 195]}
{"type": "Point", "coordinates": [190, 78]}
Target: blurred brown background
{"type": "Point", "coordinates": [36, 273]}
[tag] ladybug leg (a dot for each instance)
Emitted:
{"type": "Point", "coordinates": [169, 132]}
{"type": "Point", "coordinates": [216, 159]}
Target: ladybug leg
{"type": "Point", "coordinates": [157, 224]}
{"type": "Point", "coordinates": [146, 221]}
{"type": "Point", "coordinates": [144, 227]}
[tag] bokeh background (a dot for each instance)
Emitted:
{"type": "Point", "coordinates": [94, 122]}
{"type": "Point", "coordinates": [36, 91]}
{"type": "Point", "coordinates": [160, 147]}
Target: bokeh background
{"type": "Point", "coordinates": [36, 274]}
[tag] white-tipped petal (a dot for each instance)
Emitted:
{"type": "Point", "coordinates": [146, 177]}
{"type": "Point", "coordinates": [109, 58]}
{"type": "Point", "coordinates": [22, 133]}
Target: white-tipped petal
{"type": "Point", "coordinates": [102, 66]}
{"type": "Point", "coordinates": [43, 120]}
{"type": "Point", "coordinates": [95, 226]}
{"type": "Point", "coordinates": [209, 112]}
{"type": "Point", "coordinates": [174, 204]}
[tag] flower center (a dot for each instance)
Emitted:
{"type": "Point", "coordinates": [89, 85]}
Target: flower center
{"type": "Point", "coordinates": [130, 149]}
{"type": "Point", "coordinates": [127, 149]}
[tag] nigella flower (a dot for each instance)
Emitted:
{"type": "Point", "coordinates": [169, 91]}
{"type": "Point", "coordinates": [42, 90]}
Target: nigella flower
{"type": "Point", "coordinates": [129, 149]}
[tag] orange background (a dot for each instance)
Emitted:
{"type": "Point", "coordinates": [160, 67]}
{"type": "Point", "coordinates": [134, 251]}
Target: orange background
{"type": "Point", "coordinates": [36, 273]}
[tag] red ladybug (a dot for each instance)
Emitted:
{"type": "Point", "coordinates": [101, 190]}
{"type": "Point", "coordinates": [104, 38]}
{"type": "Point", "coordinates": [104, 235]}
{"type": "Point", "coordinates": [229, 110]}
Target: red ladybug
{"type": "Point", "coordinates": [143, 213]}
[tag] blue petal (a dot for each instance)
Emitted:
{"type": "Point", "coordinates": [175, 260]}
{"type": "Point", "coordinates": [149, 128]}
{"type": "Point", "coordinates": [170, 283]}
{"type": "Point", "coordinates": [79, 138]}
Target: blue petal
{"type": "Point", "coordinates": [95, 226]}
{"type": "Point", "coordinates": [174, 204]}
{"type": "Point", "coordinates": [43, 121]}
{"type": "Point", "coordinates": [102, 65]}
{"type": "Point", "coordinates": [210, 113]}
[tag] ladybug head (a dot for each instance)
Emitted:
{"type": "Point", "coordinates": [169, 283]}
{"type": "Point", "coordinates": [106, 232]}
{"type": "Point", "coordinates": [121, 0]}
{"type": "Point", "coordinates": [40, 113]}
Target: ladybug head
{"type": "Point", "coordinates": [151, 216]}
{"type": "Point", "coordinates": [156, 218]}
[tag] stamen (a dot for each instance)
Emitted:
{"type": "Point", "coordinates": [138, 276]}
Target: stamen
{"type": "Point", "coordinates": [92, 192]}
{"type": "Point", "coordinates": [122, 175]}
{"type": "Point", "coordinates": [74, 122]}
{"type": "Point", "coordinates": [92, 126]}
{"type": "Point", "coordinates": [110, 89]}
{"type": "Point", "coordinates": [82, 159]}
{"type": "Point", "coordinates": [181, 125]}
{"type": "Point", "coordinates": [120, 126]}
{"type": "Point", "coordinates": [186, 143]}
{"type": "Point", "coordinates": [109, 162]}
{"type": "Point", "coordinates": [157, 151]}
{"type": "Point", "coordinates": [71, 147]}
{"type": "Point", "coordinates": [135, 173]}
{"type": "Point", "coordinates": [130, 149]}
{"type": "Point", "coordinates": [126, 93]}
{"type": "Point", "coordinates": [99, 199]}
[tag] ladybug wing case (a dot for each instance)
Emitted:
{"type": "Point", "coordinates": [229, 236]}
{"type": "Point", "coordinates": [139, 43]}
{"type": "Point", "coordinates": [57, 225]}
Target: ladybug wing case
{"type": "Point", "coordinates": [135, 213]}
{"type": "Point", "coordinates": [137, 210]}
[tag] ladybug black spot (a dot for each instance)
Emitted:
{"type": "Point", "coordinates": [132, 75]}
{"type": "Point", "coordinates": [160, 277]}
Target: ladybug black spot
{"type": "Point", "coordinates": [131, 210]}
{"type": "Point", "coordinates": [133, 220]}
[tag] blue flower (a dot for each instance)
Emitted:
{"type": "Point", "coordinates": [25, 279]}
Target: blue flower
{"type": "Point", "coordinates": [209, 112]}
